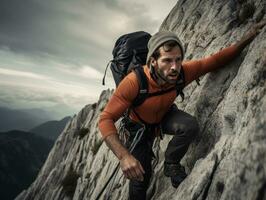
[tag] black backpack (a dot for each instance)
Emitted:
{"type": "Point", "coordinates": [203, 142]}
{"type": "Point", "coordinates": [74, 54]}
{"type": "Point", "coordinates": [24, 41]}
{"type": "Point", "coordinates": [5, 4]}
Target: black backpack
{"type": "Point", "coordinates": [129, 54]}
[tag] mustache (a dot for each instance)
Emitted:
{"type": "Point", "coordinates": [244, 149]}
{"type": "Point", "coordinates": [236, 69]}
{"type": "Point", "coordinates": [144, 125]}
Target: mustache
{"type": "Point", "coordinates": [173, 73]}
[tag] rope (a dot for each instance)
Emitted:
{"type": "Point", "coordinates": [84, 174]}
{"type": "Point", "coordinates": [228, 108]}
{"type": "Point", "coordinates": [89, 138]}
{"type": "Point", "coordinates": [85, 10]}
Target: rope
{"type": "Point", "coordinates": [136, 140]}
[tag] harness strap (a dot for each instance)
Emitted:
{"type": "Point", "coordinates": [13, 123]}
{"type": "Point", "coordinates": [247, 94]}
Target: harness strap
{"type": "Point", "coordinates": [161, 92]}
{"type": "Point", "coordinates": [143, 86]}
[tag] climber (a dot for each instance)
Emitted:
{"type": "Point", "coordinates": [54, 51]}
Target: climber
{"type": "Point", "coordinates": [158, 114]}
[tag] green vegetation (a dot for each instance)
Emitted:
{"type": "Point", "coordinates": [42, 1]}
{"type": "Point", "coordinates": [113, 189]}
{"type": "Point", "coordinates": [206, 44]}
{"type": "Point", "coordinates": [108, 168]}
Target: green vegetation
{"type": "Point", "coordinates": [81, 132]}
{"type": "Point", "coordinates": [69, 182]}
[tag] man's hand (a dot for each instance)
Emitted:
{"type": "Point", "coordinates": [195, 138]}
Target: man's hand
{"type": "Point", "coordinates": [251, 34]}
{"type": "Point", "coordinates": [255, 29]}
{"type": "Point", "coordinates": [131, 168]}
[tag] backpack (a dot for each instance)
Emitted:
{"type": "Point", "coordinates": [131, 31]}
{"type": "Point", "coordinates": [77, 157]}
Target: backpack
{"type": "Point", "coordinates": [129, 54]}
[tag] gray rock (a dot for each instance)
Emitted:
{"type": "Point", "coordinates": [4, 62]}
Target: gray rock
{"type": "Point", "coordinates": [228, 159]}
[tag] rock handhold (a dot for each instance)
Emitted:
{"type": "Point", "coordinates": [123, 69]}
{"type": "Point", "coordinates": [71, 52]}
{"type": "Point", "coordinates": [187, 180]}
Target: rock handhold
{"type": "Point", "coordinates": [246, 11]}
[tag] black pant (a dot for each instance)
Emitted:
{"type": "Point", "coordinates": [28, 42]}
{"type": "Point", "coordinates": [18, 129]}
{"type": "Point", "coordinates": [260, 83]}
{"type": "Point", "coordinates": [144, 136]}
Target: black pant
{"type": "Point", "coordinates": [183, 126]}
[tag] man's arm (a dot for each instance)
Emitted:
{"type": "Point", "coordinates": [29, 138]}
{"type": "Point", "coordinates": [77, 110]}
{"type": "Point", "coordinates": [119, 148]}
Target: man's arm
{"type": "Point", "coordinates": [117, 105]}
{"type": "Point", "coordinates": [195, 68]}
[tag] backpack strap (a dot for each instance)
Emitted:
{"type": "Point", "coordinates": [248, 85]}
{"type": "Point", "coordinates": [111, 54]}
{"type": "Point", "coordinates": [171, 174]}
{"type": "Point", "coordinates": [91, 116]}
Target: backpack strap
{"type": "Point", "coordinates": [143, 91]}
{"type": "Point", "coordinates": [103, 82]}
{"type": "Point", "coordinates": [160, 92]}
{"type": "Point", "coordinates": [143, 86]}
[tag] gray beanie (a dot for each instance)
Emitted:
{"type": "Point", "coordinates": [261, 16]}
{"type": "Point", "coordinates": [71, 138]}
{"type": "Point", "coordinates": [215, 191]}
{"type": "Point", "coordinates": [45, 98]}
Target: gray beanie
{"type": "Point", "coordinates": [159, 38]}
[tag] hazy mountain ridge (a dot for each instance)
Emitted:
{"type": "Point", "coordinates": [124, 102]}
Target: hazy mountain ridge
{"type": "Point", "coordinates": [21, 156]}
{"type": "Point", "coordinates": [22, 119]}
{"type": "Point", "coordinates": [51, 129]}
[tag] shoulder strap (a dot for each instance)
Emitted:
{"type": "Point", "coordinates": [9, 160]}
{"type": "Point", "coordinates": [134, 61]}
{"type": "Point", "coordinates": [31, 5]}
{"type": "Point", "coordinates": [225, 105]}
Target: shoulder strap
{"type": "Point", "coordinates": [143, 86]}
{"type": "Point", "coordinates": [161, 92]}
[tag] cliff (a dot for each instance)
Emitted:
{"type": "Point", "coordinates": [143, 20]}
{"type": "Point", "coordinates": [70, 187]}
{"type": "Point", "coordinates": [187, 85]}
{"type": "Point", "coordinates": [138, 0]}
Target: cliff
{"type": "Point", "coordinates": [227, 160]}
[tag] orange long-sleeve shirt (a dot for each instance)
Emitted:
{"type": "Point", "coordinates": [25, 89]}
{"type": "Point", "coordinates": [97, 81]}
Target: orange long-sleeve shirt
{"type": "Point", "coordinates": [154, 108]}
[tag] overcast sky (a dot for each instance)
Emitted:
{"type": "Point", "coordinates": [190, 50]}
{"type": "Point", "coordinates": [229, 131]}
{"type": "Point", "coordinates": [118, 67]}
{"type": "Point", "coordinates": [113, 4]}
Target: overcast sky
{"type": "Point", "coordinates": [53, 52]}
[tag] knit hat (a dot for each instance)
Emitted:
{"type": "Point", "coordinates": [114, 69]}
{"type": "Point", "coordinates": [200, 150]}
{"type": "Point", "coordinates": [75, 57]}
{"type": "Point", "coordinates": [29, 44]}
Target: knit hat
{"type": "Point", "coordinates": [161, 37]}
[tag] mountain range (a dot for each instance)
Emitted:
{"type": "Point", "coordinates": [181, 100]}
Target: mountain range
{"type": "Point", "coordinates": [22, 119]}
{"type": "Point", "coordinates": [50, 129]}
{"type": "Point", "coordinates": [22, 155]}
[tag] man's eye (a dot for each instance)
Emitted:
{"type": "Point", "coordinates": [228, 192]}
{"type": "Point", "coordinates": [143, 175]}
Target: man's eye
{"type": "Point", "coordinates": [167, 60]}
{"type": "Point", "coordinates": [178, 59]}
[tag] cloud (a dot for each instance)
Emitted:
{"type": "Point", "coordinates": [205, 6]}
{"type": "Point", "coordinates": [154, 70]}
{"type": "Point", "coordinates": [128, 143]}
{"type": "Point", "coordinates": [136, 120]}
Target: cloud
{"type": "Point", "coordinates": [30, 97]}
{"type": "Point", "coordinates": [83, 71]}
{"type": "Point", "coordinates": [10, 72]}
{"type": "Point", "coordinates": [56, 52]}
{"type": "Point", "coordinates": [89, 72]}
{"type": "Point", "coordinates": [82, 31]}
{"type": "Point", "coordinates": [25, 87]}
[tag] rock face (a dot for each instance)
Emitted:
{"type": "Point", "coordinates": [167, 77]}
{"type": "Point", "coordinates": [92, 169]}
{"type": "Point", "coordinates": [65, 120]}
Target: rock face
{"type": "Point", "coordinates": [227, 160]}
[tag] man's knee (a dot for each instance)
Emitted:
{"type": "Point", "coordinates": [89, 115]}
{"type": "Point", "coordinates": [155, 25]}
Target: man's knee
{"type": "Point", "coordinates": [189, 129]}
{"type": "Point", "coordinates": [193, 125]}
{"type": "Point", "coordinates": [192, 128]}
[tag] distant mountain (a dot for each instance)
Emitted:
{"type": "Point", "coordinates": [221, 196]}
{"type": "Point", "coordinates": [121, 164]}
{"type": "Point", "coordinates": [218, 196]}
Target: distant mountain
{"type": "Point", "coordinates": [22, 155]}
{"type": "Point", "coordinates": [51, 129]}
{"type": "Point", "coordinates": [61, 110]}
{"type": "Point", "coordinates": [23, 119]}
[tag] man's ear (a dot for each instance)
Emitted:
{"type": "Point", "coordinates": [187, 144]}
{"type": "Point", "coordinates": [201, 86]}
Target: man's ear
{"type": "Point", "coordinates": [153, 61]}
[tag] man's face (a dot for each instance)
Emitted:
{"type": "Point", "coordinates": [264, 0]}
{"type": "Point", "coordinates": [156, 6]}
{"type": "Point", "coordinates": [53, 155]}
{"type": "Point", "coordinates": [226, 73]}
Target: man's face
{"type": "Point", "coordinates": [168, 65]}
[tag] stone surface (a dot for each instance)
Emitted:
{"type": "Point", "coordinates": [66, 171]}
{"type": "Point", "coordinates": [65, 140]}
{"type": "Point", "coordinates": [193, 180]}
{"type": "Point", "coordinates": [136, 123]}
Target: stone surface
{"type": "Point", "coordinates": [227, 160]}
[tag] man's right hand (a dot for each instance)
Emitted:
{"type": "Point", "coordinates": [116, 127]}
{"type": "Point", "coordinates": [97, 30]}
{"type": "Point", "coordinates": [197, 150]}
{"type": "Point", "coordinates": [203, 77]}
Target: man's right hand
{"type": "Point", "coordinates": [131, 168]}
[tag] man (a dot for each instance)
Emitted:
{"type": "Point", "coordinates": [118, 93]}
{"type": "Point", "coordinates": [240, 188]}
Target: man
{"type": "Point", "coordinates": [164, 68]}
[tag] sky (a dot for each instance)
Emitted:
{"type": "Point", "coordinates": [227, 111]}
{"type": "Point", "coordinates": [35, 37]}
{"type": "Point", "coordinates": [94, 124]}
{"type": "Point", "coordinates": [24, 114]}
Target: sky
{"type": "Point", "coordinates": [53, 53]}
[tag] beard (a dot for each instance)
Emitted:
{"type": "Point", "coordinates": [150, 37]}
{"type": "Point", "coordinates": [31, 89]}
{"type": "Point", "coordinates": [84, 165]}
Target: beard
{"type": "Point", "coordinates": [170, 78]}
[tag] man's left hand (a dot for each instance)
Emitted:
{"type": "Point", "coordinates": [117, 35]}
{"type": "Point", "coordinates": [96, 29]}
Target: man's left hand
{"type": "Point", "coordinates": [251, 34]}
{"type": "Point", "coordinates": [256, 28]}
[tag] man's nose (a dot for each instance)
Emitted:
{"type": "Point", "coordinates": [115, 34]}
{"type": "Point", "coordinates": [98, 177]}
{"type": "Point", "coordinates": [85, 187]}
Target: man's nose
{"type": "Point", "coordinates": [175, 65]}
